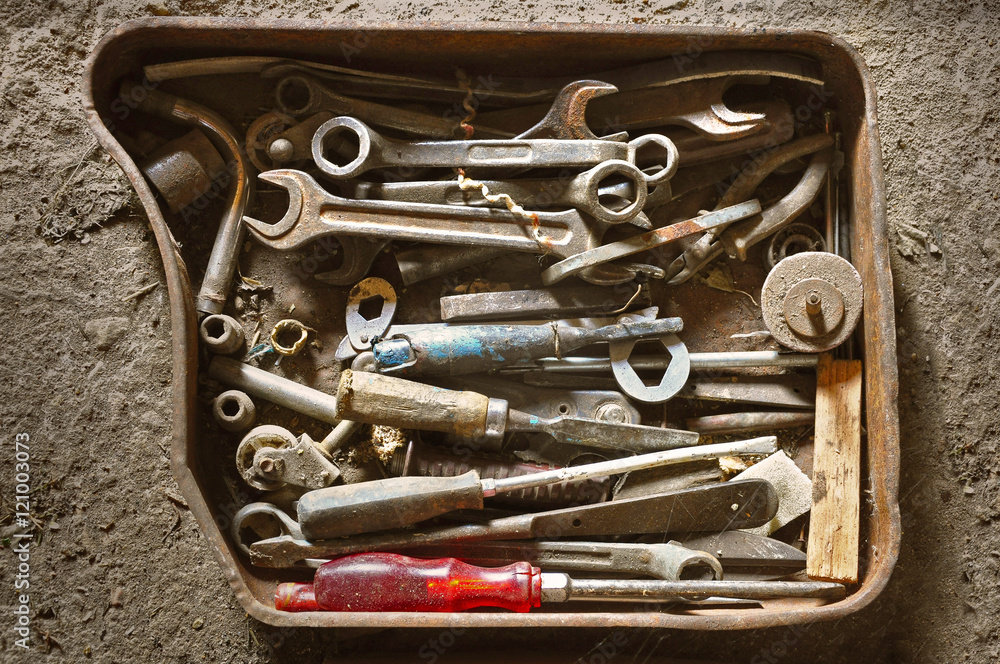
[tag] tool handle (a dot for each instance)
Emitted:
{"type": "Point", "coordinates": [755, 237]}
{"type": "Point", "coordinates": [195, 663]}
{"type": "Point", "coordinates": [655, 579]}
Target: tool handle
{"type": "Point", "coordinates": [376, 399]}
{"type": "Point", "coordinates": [463, 349]}
{"type": "Point", "coordinates": [391, 582]}
{"type": "Point", "coordinates": [364, 507]}
{"type": "Point", "coordinates": [574, 338]}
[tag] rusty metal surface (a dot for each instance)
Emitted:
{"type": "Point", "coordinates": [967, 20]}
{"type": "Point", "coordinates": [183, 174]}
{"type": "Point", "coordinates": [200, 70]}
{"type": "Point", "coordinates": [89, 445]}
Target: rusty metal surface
{"type": "Point", "coordinates": [184, 169]}
{"type": "Point", "coordinates": [811, 301]}
{"type": "Point", "coordinates": [536, 49]}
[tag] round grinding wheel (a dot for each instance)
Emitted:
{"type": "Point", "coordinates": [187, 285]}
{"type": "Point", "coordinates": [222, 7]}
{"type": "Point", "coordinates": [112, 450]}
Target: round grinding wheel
{"type": "Point", "coordinates": [812, 301]}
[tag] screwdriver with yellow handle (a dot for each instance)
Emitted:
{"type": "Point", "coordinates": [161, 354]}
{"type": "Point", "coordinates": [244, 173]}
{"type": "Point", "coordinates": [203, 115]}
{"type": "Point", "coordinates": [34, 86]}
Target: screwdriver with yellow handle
{"type": "Point", "coordinates": [393, 582]}
{"type": "Point", "coordinates": [373, 398]}
{"type": "Point", "coordinates": [364, 507]}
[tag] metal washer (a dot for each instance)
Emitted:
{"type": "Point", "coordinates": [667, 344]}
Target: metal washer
{"type": "Point", "coordinates": [811, 266]}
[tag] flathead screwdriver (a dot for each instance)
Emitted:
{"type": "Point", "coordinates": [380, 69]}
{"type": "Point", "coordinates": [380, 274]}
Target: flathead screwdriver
{"type": "Point", "coordinates": [365, 507]}
{"type": "Point", "coordinates": [372, 398]}
{"type": "Point", "coordinates": [393, 582]}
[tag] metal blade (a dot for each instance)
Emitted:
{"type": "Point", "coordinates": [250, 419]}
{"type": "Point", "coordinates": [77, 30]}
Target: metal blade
{"type": "Point", "coordinates": [739, 549]}
{"type": "Point", "coordinates": [714, 508]}
{"type": "Point", "coordinates": [786, 390]}
{"type": "Point", "coordinates": [609, 435]}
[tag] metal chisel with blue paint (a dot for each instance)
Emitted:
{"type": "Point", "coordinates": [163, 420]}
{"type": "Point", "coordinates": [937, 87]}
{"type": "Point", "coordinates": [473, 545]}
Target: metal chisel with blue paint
{"type": "Point", "coordinates": [469, 349]}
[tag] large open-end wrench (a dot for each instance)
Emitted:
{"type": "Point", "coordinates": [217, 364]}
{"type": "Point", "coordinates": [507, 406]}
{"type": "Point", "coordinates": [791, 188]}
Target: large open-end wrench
{"type": "Point", "coordinates": [567, 116]}
{"type": "Point", "coordinates": [697, 105]}
{"type": "Point", "coordinates": [377, 151]}
{"type": "Point", "coordinates": [313, 213]}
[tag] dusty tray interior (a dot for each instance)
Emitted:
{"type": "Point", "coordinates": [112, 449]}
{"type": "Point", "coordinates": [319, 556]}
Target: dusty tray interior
{"type": "Point", "coordinates": [510, 49]}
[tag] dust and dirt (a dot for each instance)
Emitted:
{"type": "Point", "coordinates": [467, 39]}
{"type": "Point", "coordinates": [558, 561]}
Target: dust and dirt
{"type": "Point", "coordinates": [119, 569]}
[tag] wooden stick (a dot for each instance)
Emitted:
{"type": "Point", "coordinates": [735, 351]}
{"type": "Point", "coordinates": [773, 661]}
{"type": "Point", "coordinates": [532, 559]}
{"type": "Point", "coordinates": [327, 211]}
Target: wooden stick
{"type": "Point", "coordinates": [832, 554]}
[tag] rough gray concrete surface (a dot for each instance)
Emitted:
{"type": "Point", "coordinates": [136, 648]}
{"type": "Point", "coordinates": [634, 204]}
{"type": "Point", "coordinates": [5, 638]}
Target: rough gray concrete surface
{"type": "Point", "coordinates": [120, 571]}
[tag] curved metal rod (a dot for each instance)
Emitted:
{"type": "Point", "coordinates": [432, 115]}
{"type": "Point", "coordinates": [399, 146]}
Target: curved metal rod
{"type": "Point", "coordinates": [222, 262]}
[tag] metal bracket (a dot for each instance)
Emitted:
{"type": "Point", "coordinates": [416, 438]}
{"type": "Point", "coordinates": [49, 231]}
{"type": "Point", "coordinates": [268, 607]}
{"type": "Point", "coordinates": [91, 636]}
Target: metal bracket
{"type": "Point", "coordinates": [363, 325]}
{"type": "Point", "coordinates": [673, 378]}
{"type": "Point", "coordinates": [270, 457]}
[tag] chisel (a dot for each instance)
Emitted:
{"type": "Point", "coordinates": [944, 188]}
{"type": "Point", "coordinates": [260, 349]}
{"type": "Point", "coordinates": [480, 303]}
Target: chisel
{"type": "Point", "coordinates": [366, 507]}
{"type": "Point", "coordinates": [714, 508]}
{"type": "Point", "coordinates": [372, 398]}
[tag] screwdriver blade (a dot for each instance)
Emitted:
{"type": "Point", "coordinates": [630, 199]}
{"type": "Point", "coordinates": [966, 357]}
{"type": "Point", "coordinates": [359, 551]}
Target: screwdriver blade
{"type": "Point", "coordinates": [614, 435]}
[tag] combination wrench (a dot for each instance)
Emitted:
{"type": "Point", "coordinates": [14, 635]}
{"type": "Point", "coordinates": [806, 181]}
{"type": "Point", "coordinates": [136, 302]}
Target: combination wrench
{"type": "Point", "coordinates": [588, 192]}
{"type": "Point", "coordinates": [377, 151]}
{"type": "Point", "coordinates": [314, 213]}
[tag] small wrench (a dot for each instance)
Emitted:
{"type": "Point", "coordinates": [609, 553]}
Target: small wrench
{"type": "Point", "coordinates": [583, 191]}
{"type": "Point", "coordinates": [645, 242]}
{"type": "Point", "coordinates": [738, 239]}
{"type": "Point", "coordinates": [314, 213]}
{"type": "Point", "coordinates": [377, 151]}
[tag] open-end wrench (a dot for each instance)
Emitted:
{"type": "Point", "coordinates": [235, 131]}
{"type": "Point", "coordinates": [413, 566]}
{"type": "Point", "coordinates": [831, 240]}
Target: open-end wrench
{"type": "Point", "coordinates": [697, 105]}
{"type": "Point", "coordinates": [567, 116]}
{"type": "Point", "coordinates": [583, 191]}
{"type": "Point", "coordinates": [377, 151]}
{"type": "Point", "coordinates": [669, 560]}
{"type": "Point", "coordinates": [314, 213]}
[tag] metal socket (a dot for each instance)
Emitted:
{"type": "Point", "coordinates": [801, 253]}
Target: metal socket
{"type": "Point", "coordinates": [234, 411]}
{"type": "Point", "coordinates": [184, 169]}
{"type": "Point", "coordinates": [222, 334]}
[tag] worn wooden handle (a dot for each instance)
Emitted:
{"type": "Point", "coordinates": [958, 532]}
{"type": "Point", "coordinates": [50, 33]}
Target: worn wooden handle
{"type": "Point", "coordinates": [832, 553]}
{"type": "Point", "coordinates": [376, 399]}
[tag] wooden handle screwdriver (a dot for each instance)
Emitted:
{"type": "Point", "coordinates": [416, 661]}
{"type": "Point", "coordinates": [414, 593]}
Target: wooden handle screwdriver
{"type": "Point", "coordinates": [376, 399]}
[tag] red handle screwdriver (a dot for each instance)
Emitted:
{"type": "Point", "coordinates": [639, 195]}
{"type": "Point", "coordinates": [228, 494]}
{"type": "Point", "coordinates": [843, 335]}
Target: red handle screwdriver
{"type": "Point", "coordinates": [391, 582]}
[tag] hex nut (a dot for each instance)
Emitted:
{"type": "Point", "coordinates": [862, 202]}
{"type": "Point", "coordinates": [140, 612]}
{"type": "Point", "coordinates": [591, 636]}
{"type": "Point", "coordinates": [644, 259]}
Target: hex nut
{"type": "Point", "coordinates": [221, 334]}
{"type": "Point", "coordinates": [234, 411]}
{"type": "Point", "coordinates": [612, 412]}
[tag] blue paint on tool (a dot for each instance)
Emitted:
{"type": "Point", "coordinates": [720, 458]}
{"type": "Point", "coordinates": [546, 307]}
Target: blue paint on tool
{"type": "Point", "coordinates": [392, 353]}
